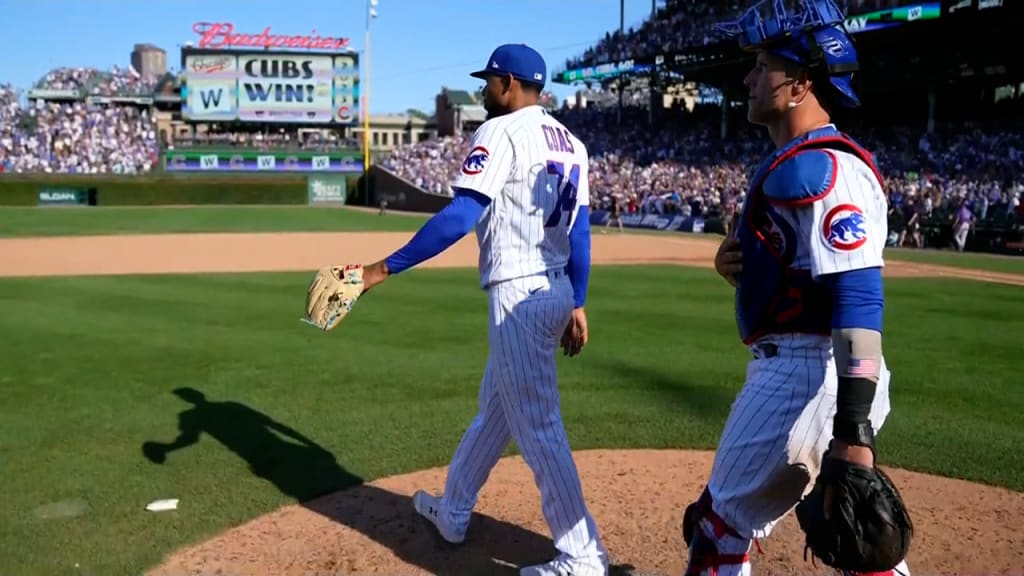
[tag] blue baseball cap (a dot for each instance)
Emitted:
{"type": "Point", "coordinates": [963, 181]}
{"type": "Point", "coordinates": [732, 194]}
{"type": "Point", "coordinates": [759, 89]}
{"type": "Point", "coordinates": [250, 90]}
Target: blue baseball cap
{"type": "Point", "coordinates": [518, 60]}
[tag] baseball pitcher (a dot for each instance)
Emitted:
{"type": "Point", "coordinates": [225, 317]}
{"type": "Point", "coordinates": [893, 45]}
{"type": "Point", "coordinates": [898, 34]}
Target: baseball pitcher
{"type": "Point", "coordinates": [806, 261]}
{"type": "Point", "coordinates": [523, 186]}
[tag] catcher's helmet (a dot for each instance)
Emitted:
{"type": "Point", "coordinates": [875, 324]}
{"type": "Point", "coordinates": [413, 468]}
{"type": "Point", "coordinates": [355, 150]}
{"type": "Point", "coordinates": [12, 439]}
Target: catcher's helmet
{"type": "Point", "coordinates": [812, 35]}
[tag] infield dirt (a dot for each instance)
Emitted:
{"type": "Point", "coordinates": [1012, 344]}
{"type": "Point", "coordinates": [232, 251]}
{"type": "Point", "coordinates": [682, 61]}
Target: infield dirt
{"type": "Point", "coordinates": [637, 496]}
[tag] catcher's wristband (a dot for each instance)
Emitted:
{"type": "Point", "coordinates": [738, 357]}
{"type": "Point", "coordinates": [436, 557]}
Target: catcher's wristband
{"type": "Point", "coordinates": [854, 433]}
{"type": "Point", "coordinates": [853, 408]}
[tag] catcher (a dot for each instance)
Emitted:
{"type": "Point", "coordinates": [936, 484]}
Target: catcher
{"type": "Point", "coordinates": [806, 261]}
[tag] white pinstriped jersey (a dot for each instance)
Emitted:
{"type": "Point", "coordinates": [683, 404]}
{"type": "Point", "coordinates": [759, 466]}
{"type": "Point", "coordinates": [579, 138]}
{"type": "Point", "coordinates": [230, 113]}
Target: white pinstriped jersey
{"type": "Point", "coordinates": [535, 171]}
{"type": "Point", "coordinates": [847, 228]}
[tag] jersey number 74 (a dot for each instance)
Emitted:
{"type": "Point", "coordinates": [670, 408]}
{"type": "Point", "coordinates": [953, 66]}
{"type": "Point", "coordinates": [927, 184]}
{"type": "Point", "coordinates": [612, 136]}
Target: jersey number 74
{"type": "Point", "coordinates": [566, 192]}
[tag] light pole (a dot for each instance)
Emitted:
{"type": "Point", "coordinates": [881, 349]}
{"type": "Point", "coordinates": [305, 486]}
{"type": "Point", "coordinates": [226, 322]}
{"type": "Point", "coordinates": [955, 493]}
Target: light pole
{"type": "Point", "coordinates": [622, 33]}
{"type": "Point", "coordinates": [371, 13]}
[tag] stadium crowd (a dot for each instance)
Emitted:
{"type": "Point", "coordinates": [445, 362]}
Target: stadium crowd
{"type": "Point", "coordinates": [67, 78]}
{"type": "Point", "coordinates": [115, 82]}
{"type": "Point", "coordinates": [683, 24]}
{"type": "Point", "coordinates": [681, 166]}
{"type": "Point", "coordinates": [431, 164]}
{"type": "Point", "coordinates": [121, 82]}
{"type": "Point", "coordinates": [74, 137]}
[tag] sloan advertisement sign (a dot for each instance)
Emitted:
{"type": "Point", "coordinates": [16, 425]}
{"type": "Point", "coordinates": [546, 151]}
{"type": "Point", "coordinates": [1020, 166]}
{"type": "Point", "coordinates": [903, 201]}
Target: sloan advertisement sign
{"type": "Point", "coordinates": [326, 189]}
{"type": "Point", "coordinates": [63, 197]}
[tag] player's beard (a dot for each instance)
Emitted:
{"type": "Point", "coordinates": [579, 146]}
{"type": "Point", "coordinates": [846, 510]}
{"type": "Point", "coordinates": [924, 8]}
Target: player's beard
{"type": "Point", "coordinates": [493, 108]}
{"type": "Point", "coordinates": [493, 111]}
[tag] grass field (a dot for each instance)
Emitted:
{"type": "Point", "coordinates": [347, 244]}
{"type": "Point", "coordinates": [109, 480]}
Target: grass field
{"type": "Point", "coordinates": [31, 221]}
{"type": "Point", "coordinates": [979, 261]}
{"type": "Point", "coordinates": [89, 381]}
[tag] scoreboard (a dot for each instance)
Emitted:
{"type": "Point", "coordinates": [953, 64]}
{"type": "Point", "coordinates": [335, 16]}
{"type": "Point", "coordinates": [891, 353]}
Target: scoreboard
{"type": "Point", "coordinates": [269, 86]}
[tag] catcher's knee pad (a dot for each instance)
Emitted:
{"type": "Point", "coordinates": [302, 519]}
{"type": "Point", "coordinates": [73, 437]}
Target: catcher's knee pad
{"type": "Point", "coordinates": [705, 554]}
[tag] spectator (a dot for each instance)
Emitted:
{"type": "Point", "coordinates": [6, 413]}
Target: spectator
{"type": "Point", "coordinates": [962, 225]}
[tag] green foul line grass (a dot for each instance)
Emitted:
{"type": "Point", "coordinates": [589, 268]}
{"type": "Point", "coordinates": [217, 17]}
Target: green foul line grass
{"type": "Point", "coordinates": [20, 222]}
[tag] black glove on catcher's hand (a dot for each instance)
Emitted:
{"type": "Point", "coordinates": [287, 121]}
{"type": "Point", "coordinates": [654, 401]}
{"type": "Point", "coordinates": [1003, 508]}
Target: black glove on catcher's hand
{"type": "Point", "coordinates": [867, 529]}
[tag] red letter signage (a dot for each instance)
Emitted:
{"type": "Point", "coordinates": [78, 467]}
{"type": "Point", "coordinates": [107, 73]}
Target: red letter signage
{"type": "Point", "coordinates": [223, 35]}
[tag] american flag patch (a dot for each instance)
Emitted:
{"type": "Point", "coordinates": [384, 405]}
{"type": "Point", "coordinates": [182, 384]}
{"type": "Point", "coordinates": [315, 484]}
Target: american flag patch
{"type": "Point", "coordinates": [861, 367]}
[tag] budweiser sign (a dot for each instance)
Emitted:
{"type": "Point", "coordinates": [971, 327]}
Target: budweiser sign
{"type": "Point", "coordinates": [223, 35]}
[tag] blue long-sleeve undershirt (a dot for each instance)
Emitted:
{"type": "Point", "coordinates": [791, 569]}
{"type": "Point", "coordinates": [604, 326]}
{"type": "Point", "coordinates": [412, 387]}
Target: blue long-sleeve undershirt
{"type": "Point", "coordinates": [578, 268]}
{"type": "Point", "coordinates": [857, 298]}
{"type": "Point", "coordinates": [441, 231]}
{"type": "Point", "coordinates": [457, 219]}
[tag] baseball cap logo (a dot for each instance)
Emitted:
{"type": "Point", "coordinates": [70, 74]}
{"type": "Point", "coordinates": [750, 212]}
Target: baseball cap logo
{"type": "Point", "coordinates": [834, 47]}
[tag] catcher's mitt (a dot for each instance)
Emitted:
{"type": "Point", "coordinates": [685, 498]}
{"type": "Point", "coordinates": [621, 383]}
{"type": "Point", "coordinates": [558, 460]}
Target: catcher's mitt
{"type": "Point", "coordinates": [869, 528]}
{"type": "Point", "coordinates": [332, 294]}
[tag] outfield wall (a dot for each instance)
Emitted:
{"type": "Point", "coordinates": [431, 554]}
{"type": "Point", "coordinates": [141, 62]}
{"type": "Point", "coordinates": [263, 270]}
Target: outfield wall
{"type": "Point", "coordinates": [400, 194]}
{"type": "Point", "coordinates": [176, 189]}
{"type": "Point", "coordinates": [670, 222]}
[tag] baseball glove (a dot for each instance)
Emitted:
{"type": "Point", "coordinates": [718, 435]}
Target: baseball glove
{"type": "Point", "coordinates": [868, 528]}
{"type": "Point", "coordinates": [332, 294]}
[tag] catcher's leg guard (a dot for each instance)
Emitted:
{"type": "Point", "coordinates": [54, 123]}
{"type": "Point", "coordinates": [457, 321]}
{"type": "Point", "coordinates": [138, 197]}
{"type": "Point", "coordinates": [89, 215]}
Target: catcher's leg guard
{"type": "Point", "coordinates": [715, 548]}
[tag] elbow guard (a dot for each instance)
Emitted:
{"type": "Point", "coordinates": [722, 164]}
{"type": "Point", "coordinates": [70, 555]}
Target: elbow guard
{"type": "Point", "coordinates": [858, 302]}
{"type": "Point", "coordinates": [858, 355]}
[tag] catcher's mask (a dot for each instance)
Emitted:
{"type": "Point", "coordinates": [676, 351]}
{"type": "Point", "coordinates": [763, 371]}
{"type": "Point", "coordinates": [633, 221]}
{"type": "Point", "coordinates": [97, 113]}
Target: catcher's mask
{"type": "Point", "coordinates": [812, 35]}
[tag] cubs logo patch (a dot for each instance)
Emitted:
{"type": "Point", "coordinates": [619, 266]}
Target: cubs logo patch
{"type": "Point", "coordinates": [475, 161]}
{"type": "Point", "coordinates": [845, 227]}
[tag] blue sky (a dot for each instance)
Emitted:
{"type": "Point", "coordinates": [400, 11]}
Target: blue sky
{"type": "Point", "coordinates": [417, 46]}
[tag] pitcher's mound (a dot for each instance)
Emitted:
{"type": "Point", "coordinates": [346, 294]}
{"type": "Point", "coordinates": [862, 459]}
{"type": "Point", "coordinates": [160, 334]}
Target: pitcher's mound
{"type": "Point", "coordinates": [637, 498]}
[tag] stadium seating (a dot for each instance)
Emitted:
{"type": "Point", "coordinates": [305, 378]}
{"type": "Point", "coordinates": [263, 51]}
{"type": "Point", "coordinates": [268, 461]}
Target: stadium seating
{"type": "Point", "coordinates": [678, 166]}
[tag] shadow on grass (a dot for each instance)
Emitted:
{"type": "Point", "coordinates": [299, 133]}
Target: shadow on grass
{"type": "Point", "coordinates": [305, 471]}
{"type": "Point", "coordinates": [706, 402]}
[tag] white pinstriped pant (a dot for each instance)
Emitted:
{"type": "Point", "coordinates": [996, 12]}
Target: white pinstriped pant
{"type": "Point", "coordinates": [519, 400]}
{"type": "Point", "coordinates": [781, 418]}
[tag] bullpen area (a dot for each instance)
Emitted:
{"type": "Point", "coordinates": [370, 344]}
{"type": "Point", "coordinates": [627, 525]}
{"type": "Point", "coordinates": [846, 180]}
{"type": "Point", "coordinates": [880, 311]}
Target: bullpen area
{"type": "Point", "coordinates": [157, 353]}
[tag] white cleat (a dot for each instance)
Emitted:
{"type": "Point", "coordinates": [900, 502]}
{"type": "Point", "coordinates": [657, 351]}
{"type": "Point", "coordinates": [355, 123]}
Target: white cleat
{"type": "Point", "coordinates": [429, 507]}
{"type": "Point", "coordinates": [559, 567]}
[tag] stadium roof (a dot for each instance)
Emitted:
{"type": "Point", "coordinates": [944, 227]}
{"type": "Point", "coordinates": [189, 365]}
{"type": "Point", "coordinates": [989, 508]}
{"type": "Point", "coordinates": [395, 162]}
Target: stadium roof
{"type": "Point", "coordinates": [898, 51]}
